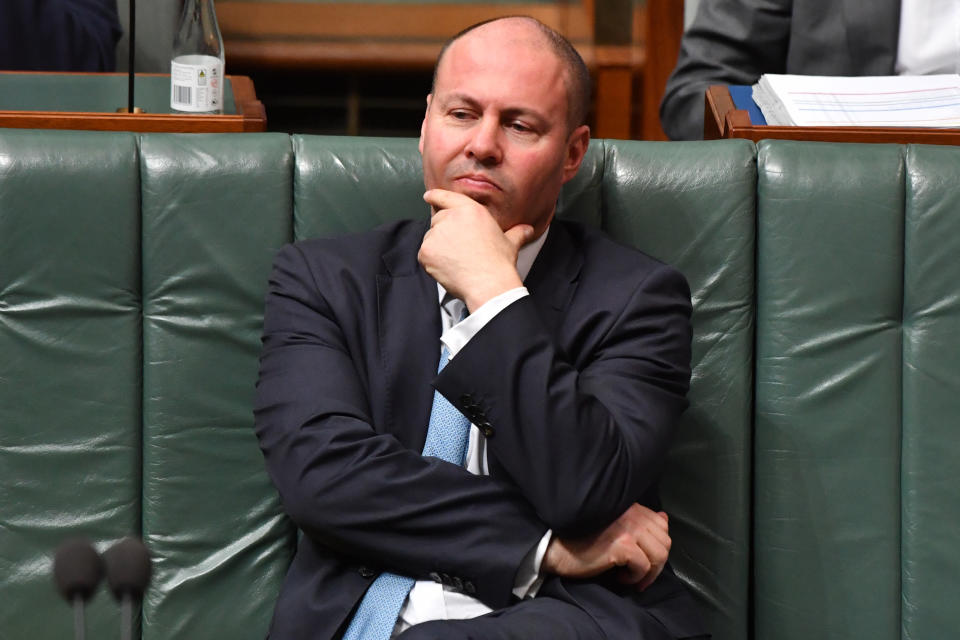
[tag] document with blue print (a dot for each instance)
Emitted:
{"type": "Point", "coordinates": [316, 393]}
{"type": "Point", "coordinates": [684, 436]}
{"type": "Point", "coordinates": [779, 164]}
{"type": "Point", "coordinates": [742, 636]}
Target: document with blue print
{"type": "Point", "coordinates": [868, 101]}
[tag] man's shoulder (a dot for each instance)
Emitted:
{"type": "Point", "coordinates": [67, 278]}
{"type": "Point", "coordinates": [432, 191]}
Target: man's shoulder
{"type": "Point", "coordinates": [608, 257]}
{"type": "Point", "coordinates": [364, 249]}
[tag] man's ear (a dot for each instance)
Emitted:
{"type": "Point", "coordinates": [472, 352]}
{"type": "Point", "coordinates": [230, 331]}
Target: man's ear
{"type": "Point", "coordinates": [423, 123]}
{"type": "Point", "coordinates": [577, 145]}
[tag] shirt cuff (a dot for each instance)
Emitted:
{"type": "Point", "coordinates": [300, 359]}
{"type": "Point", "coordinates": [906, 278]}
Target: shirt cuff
{"type": "Point", "coordinates": [457, 336]}
{"type": "Point", "coordinates": [529, 579]}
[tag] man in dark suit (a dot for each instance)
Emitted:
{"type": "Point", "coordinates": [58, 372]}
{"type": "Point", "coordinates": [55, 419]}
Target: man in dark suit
{"type": "Point", "coordinates": [572, 368]}
{"type": "Point", "coordinates": [737, 41]}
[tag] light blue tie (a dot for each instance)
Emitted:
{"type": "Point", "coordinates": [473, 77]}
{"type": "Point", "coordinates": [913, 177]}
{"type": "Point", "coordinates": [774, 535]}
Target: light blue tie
{"type": "Point", "coordinates": [447, 438]}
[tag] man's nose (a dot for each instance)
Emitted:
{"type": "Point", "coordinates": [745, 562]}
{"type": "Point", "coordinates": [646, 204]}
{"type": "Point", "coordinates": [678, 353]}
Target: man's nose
{"type": "Point", "coordinates": [484, 145]}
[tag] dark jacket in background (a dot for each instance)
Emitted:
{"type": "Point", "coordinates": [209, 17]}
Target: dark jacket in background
{"type": "Point", "coordinates": [58, 35]}
{"type": "Point", "coordinates": [736, 41]}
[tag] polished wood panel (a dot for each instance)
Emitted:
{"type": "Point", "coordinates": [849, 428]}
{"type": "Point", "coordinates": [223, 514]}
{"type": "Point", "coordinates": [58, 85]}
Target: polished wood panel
{"type": "Point", "coordinates": [397, 23]}
{"type": "Point", "coordinates": [664, 30]}
{"type": "Point", "coordinates": [614, 97]}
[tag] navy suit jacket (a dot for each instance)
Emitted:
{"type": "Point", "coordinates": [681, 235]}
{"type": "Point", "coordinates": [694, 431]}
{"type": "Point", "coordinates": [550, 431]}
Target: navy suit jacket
{"type": "Point", "coordinates": [737, 41]}
{"type": "Point", "coordinates": [578, 387]}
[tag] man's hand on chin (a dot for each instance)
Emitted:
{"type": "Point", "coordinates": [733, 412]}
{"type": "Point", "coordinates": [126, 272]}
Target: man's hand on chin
{"type": "Point", "coordinates": [637, 544]}
{"type": "Point", "coordinates": [466, 251]}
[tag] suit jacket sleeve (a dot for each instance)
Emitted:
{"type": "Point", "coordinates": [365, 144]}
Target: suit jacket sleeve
{"type": "Point", "coordinates": [357, 492]}
{"type": "Point", "coordinates": [729, 42]}
{"type": "Point", "coordinates": [582, 430]}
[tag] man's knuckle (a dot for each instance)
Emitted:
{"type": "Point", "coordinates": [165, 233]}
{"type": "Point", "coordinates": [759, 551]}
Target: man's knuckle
{"type": "Point", "coordinates": [644, 563]}
{"type": "Point", "coordinates": [614, 555]}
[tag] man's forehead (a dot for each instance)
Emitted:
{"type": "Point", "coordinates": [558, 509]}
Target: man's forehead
{"type": "Point", "coordinates": [496, 37]}
{"type": "Point", "coordinates": [515, 28]}
{"type": "Point", "coordinates": [499, 50]}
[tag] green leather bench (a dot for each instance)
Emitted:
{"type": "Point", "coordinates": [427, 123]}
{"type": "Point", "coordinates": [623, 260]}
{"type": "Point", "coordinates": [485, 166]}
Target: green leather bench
{"type": "Point", "coordinates": [810, 486]}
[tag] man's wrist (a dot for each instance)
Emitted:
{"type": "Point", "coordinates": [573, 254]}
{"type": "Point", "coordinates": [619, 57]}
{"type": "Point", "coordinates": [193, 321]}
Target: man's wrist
{"type": "Point", "coordinates": [480, 295]}
{"type": "Point", "coordinates": [529, 576]}
{"type": "Point", "coordinates": [552, 557]}
{"type": "Point", "coordinates": [457, 336]}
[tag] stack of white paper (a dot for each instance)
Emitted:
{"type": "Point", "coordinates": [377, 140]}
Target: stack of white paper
{"type": "Point", "coordinates": [870, 101]}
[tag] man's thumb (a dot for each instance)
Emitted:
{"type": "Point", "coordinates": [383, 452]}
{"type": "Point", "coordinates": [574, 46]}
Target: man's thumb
{"type": "Point", "coordinates": [519, 234]}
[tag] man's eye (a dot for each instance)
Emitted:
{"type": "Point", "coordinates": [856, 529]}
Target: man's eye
{"type": "Point", "coordinates": [460, 115]}
{"type": "Point", "coordinates": [520, 127]}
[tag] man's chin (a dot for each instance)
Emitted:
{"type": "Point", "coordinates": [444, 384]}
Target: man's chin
{"type": "Point", "coordinates": [489, 200]}
{"type": "Point", "coordinates": [481, 196]}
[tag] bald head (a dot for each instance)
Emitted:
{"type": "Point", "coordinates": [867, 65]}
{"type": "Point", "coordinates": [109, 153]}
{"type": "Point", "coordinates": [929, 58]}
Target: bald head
{"type": "Point", "coordinates": [536, 34]}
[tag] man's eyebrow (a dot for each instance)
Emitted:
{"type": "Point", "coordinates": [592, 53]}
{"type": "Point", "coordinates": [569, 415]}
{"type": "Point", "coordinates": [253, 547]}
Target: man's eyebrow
{"type": "Point", "coordinates": [521, 112]}
{"type": "Point", "coordinates": [509, 112]}
{"type": "Point", "coordinates": [458, 97]}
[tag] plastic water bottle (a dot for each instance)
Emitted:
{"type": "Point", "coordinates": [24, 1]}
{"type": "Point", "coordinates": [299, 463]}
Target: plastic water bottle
{"type": "Point", "coordinates": [196, 70]}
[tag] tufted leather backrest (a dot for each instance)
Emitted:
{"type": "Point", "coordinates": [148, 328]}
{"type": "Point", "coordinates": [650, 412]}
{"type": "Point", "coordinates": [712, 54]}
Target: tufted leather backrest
{"type": "Point", "coordinates": [215, 209]}
{"type": "Point", "coordinates": [70, 368]}
{"type": "Point", "coordinates": [858, 393]}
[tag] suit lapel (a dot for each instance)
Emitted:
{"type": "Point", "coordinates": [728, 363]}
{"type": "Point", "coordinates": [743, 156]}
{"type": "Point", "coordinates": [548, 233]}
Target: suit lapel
{"type": "Point", "coordinates": [409, 334]}
{"type": "Point", "coordinates": [409, 322]}
{"type": "Point", "coordinates": [553, 277]}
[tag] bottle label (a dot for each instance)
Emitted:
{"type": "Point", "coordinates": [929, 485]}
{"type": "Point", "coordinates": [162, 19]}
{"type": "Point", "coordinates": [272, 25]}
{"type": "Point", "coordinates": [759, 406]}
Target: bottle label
{"type": "Point", "coordinates": [196, 84]}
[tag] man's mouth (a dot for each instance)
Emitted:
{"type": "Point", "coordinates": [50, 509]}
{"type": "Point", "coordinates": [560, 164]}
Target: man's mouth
{"type": "Point", "coordinates": [476, 181]}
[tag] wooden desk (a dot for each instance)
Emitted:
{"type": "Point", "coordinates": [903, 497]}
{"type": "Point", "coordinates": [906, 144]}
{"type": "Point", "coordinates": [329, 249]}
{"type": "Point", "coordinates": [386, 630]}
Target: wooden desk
{"type": "Point", "coordinates": [723, 120]}
{"type": "Point", "coordinates": [89, 101]}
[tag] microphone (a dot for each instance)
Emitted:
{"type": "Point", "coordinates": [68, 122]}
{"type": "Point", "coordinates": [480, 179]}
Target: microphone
{"type": "Point", "coordinates": [128, 573]}
{"type": "Point", "coordinates": [77, 570]}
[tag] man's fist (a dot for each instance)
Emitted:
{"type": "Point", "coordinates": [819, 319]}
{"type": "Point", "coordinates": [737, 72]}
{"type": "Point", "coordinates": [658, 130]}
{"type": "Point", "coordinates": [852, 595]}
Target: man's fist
{"type": "Point", "coordinates": [637, 544]}
{"type": "Point", "coordinates": [466, 251]}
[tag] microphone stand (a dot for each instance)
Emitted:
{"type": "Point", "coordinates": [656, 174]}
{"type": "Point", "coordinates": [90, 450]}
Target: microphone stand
{"type": "Point", "coordinates": [131, 54]}
{"type": "Point", "coordinates": [126, 617]}
{"type": "Point", "coordinates": [79, 624]}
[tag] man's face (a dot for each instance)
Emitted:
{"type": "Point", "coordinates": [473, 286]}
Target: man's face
{"type": "Point", "coordinates": [496, 124]}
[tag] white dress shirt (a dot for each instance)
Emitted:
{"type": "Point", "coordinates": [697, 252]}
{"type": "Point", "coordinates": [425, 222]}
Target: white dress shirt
{"type": "Point", "coordinates": [929, 37]}
{"type": "Point", "coordinates": [429, 600]}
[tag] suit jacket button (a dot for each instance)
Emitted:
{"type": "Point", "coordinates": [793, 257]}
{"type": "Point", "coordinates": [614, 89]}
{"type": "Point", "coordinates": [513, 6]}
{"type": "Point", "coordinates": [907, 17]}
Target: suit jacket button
{"type": "Point", "coordinates": [366, 572]}
{"type": "Point", "coordinates": [444, 578]}
{"type": "Point", "coordinates": [435, 576]}
{"type": "Point", "coordinates": [486, 428]}
{"type": "Point", "coordinates": [457, 583]}
{"type": "Point", "coordinates": [469, 588]}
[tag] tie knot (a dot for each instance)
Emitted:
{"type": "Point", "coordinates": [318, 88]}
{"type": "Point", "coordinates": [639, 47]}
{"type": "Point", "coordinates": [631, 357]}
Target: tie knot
{"type": "Point", "coordinates": [455, 308]}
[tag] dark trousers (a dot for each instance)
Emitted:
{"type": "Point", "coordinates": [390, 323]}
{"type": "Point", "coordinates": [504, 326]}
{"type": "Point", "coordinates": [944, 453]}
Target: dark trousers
{"type": "Point", "coordinates": [545, 618]}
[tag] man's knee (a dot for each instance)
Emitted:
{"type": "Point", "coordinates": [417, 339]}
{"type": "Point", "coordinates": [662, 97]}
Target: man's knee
{"type": "Point", "coordinates": [537, 619]}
